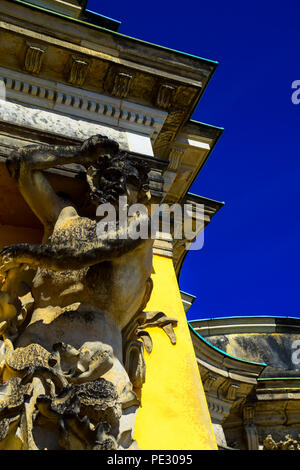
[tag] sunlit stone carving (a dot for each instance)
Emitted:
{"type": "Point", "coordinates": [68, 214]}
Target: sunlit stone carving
{"type": "Point", "coordinates": [33, 58]}
{"type": "Point", "coordinates": [72, 308]}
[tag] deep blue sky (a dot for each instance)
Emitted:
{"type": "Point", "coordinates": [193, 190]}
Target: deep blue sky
{"type": "Point", "coordinates": [251, 258]}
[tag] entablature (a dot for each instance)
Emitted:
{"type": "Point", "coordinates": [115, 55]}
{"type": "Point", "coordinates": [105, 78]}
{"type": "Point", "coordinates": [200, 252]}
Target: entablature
{"type": "Point", "coordinates": [39, 94]}
{"type": "Point", "coordinates": [94, 59]}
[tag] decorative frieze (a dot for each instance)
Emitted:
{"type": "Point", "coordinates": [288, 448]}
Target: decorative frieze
{"type": "Point", "coordinates": [165, 96]}
{"type": "Point", "coordinates": [175, 117]}
{"type": "Point", "coordinates": [209, 383]}
{"type": "Point", "coordinates": [175, 157]}
{"type": "Point", "coordinates": [229, 390]}
{"type": "Point", "coordinates": [121, 84]}
{"type": "Point", "coordinates": [168, 81]}
{"type": "Point", "coordinates": [232, 391]}
{"type": "Point", "coordinates": [78, 71]}
{"type": "Point", "coordinates": [34, 58]}
{"type": "Point", "coordinates": [218, 409]}
{"type": "Point", "coordinates": [91, 106]}
{"type": "Point", "coordinates": [165, 139]}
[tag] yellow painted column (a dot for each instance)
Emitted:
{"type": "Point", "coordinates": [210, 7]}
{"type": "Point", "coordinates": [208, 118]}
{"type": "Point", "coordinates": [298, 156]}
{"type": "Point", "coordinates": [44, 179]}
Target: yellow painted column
{"type": "Point", "coordinates": [173, 413]}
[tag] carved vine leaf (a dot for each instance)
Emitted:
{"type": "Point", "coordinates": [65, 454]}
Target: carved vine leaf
{"type": "Point", "coordinates": [134, 352]}
{"type": "Point", "coordinates": [154, 319]}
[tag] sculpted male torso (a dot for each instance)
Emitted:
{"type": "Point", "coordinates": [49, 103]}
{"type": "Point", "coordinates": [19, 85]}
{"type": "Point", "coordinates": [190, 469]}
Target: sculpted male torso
{"type": "Point", "coordinates": [93, 303]}
{"type": "Point", "coordinates": [67, 304]}
{"type": "Point", "coordinates": [85, 290]}
{"type": "Point", "coordinates": [105, 282]}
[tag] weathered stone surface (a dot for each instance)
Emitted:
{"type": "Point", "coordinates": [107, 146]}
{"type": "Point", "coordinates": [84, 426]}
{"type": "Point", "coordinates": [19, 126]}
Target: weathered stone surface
{"type": "Point", "coordinates": [60, 125]}
{"type": "Point", "coordinates": [287, 444]}
{"type": "Point", "coordinates": [65, 384]}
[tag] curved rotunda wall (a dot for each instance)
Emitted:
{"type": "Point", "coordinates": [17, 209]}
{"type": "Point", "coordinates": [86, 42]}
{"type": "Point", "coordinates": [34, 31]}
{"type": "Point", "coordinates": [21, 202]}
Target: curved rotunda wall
{"type": "Point", "coordinates": [272, 340]}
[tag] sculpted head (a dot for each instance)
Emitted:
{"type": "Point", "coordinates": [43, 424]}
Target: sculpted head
{"type": "Point", "coordinates": [115, 176]}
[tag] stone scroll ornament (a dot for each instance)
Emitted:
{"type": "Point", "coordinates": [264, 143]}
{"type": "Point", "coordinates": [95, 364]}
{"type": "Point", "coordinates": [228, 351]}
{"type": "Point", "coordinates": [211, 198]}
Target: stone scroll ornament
{"type": "Point", "coordinates": [72, 319]}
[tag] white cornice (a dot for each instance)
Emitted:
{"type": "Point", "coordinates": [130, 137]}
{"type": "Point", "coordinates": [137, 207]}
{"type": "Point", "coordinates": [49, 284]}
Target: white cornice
{"type": "Point", "coordinates": [79, 103]}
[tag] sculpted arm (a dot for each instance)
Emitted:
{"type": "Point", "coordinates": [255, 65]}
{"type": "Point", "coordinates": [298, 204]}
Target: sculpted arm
{"type": "Point", "coordinates": [43, 157]}
{"type": "Point", "coordinates": [69, 256]}
{"type": "Point", "coordinates": [27, 163]}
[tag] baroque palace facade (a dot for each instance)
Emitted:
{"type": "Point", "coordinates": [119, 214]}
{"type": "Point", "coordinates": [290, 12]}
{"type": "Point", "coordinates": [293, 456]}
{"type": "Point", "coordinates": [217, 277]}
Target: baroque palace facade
{"type": "Point", "coordinates": [66, 75]}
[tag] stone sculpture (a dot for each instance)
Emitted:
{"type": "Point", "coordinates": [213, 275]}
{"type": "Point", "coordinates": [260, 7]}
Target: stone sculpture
{"type": "Point", "coordinates": [287, 444]}
{"type": "Point", "coordinates": [72, 308]}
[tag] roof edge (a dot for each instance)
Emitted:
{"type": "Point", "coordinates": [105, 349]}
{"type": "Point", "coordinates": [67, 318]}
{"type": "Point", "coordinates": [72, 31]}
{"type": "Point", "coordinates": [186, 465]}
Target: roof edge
{"type": "Point", "coordinates": [244, 317]}
{"type": "Point", "coordinates": [213, 63]}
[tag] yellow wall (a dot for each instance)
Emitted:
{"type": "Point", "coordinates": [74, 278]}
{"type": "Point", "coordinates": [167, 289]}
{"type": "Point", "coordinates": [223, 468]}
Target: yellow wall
{"type": "Point", "coordinates": [174, 413]}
